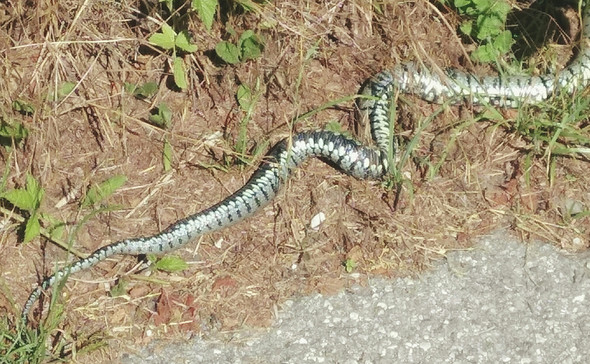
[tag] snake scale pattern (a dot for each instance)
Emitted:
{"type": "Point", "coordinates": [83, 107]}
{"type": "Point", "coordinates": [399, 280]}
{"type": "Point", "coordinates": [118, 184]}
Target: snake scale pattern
{"type": "Point", "coordinates": [351, 157]}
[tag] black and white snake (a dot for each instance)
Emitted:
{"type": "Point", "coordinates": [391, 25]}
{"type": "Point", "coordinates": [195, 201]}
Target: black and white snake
{"type": "Point", "coordinates": [352, 158]}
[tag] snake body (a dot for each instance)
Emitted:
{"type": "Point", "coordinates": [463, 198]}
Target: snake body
{"type": "Point", "coordinates": [351, 157]}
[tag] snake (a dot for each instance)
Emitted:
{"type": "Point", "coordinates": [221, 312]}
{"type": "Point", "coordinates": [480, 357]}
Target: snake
{"type": "Point", "coordinates": [345, 153]}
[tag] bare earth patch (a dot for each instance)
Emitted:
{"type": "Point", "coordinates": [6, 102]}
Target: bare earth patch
{"type": "Point", "coordinates": [464, 178]}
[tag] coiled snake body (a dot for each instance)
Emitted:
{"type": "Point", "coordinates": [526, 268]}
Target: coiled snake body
{"type": "Point", "coordinates": [352, 158]}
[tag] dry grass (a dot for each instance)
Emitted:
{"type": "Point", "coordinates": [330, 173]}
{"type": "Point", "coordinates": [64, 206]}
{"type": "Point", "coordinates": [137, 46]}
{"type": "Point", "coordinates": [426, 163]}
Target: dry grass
{"type": "Point", "coordinates": [464, 178]}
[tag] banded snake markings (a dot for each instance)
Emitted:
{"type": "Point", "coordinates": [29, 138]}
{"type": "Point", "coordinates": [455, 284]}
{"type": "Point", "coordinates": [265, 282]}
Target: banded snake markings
{"type": "Point", "coordinates": [363, 162]}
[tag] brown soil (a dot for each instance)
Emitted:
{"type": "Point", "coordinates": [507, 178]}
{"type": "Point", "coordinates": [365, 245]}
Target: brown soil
{"type": "Point", "coordinates": [464, 178]}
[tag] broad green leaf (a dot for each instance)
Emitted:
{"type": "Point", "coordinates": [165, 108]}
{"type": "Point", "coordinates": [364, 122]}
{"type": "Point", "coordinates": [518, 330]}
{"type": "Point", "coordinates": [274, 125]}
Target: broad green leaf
{"type": "Point", "coordinates": [496, 8]}
{"type": "Point", "coordinates": [245, 35]}
{"type": "Point", "coordinates": [488, 26]}
{"type": "Point", "coordinates": [65, 89]}
{"type": "Point", "coordinates": [120, 289]}
{"type": "Point", "coordinates": [166, 114]}
{"type": "Point", "coordinates": [228, 52]}
{"type": "Point", "coordinates": [28, 198]}
{"type": "Point", "coordinates": [32, 229]}
{"type": "Point", "coordinates": [15, 130]}
{"type": "Point", "coordinates": [165, 39]}
{"type": "Point", "coordinates": [485, 53]}
{"type": "Point", "coordinates": [504, 41]}
{"type": "Point", "coordinates": [34, 189]}
{"type": "Point", "coordinates": [461, 3]}
{"type": "Point", "coordinates": [56, 227]}
{"type": "Point", "coordinates": [163, 116]}
{"type": "Point", "coordinates": [130, 87]}
{"type": "Point", "coordinates": [103, 190]}
{"type": "Point", "coordinates": [171, 264]}
{"type": "Point", "coordinates": [250, 45]}
{"type": "Point", "coordinates": [144, 91]}
{"type": "Point", "coordinates": [244, 96]}
{"type": "Point", "coordinates": [167, 155]}
{"type": "Point", "coordinates": [23, 107]}
{"type": "Point", "coordinates": [183, 42]}
{"type": "Point", "coordinates": [21, 199]}
{"type": "Point", "coordinates": [466, 27]}
{"type": "Point", "coordinates": [206, 11]}
{"type": "Point", "coordinates": [179, 73]}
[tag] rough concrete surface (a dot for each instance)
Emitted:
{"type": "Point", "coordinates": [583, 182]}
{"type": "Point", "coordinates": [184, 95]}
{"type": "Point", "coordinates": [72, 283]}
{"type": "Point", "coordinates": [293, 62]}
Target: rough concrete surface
{"type": "Point", "coordinates": [503, 301]}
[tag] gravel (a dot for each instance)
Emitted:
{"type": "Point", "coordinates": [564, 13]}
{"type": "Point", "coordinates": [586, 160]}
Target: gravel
{"type": "Point", "coordinates": [501, 302]}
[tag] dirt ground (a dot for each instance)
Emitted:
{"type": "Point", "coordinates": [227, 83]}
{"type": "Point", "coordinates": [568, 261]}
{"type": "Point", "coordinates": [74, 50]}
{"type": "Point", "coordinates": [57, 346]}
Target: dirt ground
{"type": "Point", "coordinates": [464, 178]}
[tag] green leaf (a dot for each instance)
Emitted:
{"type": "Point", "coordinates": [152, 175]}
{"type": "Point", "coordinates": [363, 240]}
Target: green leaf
{"type": "Point", "coordinates": [493, 114]}
{"type": "Point", "coordinates": [485, 53]}
{"type": "Point", "coordinates": [56, 227]}
{"type": "Point", "coordinates": [462, 3]}
{"type": "Point", "coordinates": [165, 39]}
{"type": "Point", "coordinates": [35, 191]}
{"type": "Point", "coordinates": [65, 89]}
{"type": "Point", "coordinates": [144, 91]}
{"type": "Point", "coordinates": [29, 198]}
{"type": "Point", "coordinates": [504, 41]}
{"type": "Point", "coordinates": [247, 5]}
{"type": "Point", "coordinates": [349, 265]}
{"type": "Point", "coordinates": [169, 4]}
{"type": "Point", "coordinates": [488, 27]}
{"type": "Point", "coordinates": [130, 87]}
{"type": "Point", "coordinates": [163, 117]}
{"type": "Point", "coordinates": [15, 131]}
{"type": "Point", "coordinates": [245, 35]}
{"type": "Point", "coordinates": [335, 127]}
{"type": "Point", "coordinates": [206, 11]}
{"type": "Point", "coordinates": [167, 155]}
{"type": "Point", "coordinates": [32, 228]}
{"type": "Point", "coordinates": [179, 73]}
{"type": "Point", "coordinates": [103, 190]}
{"type": "Point", "coordinates": [171, 264]}
{"type": "Point", "coordinates": [244, 96]}
{"type": "Point", "coordinates": [466, 27]}
{"type": "Point", "coordinates": [183, 42]}
{"type": "Point", "coordinates": [23, 107]}
{"type": "Point", "coordinates": [227, 51]}
{"type": "Point", "coordinates": [500, 9]}
{"type": "Point", "coordinates": [22, 199]}
{"type": "Point", "coordinates": [249, 45]}
{"type": "Point", "coordinates": [120, 289]}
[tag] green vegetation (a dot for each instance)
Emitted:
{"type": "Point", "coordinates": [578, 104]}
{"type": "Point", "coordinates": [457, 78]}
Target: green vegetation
{"type": "Point", "coordinates": [486, 22]}
{"type": "Point", "coordinates": [103, 190]}
{"type": "Point", "coordinates": [170, 40]}
{"type": "Point", "coordinates": [28, 199]}
{"type": "Point", "coordinates": [349, 265]}
{"type": "Point", "coordinates": [168, 263]}
{"type": "Point", "coordinates": [23, 107]}
{"type": "Point", "coordinates": [548, 133]}
{"type": "Point", "coordinates": [249, 46]}
{"type": "Point", "coordinates": [161, 116]}
{"type": "Point", "coordinates": [143, 91]}
{"type": "Point", "coordinates": [247, 100]}
{"type": "Point", "coordinates": [12, 132]}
